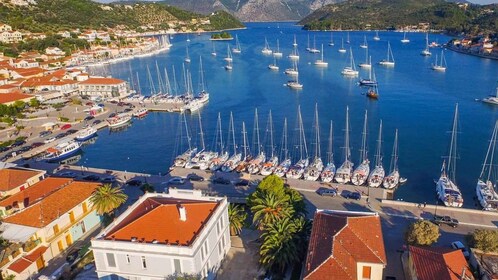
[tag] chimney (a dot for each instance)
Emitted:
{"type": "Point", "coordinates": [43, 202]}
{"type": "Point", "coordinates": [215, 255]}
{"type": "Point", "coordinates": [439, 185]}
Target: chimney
{"type": "Point", "coordinates": [183, 213]}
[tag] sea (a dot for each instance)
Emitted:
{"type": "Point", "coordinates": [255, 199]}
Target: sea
{"type": "Point", "coordinates": [414, 99]}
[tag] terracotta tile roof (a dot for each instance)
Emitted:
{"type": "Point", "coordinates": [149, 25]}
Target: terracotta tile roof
{"type": "Point", "coordinates": [36, 254]}
{"type": "Point", "coordinates": [53, 206]}
{"type": "Point", "coordinates": [13, 96]}
{"type": "Point", "coordinates": [20, 265]}
{"type": "Point", "coordinates": [102, 81]}
{"type": "Point", "coordinates": [339, 240]}
{"type": "Point", "coordinates": [439, 263]}
{"type": "Point", "coordinates": [29, 71]}
{"type": "Point", "coordinates": [158, 219]}
{"type": "Point", "coordinates": [35, 192]}
{"type": "Point", "coordinates": [11, 178]}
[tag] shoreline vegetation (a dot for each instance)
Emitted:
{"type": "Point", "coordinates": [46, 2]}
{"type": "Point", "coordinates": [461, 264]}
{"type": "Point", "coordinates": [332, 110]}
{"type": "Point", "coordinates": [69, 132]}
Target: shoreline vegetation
{"type": "Point", "coordinates": [223, 36]}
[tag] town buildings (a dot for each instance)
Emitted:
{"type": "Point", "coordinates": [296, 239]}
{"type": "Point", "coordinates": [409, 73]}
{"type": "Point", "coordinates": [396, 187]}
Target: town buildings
{"type": "Point", "coordinates": [14, 180]}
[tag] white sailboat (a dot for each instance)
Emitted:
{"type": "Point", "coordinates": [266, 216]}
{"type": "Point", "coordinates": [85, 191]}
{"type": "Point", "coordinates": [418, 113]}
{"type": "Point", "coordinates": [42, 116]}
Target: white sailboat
{"type": "Point", "coordinates": [314, 49]}
{"type": "Point", "coordinates": [360, 174]}
{"type": "Point", "coordinates": [296, 171]}
{"type": "Point", "coordinates": [368, 61]}
{"type": "Point", "coordinates": [217, 162]}
{"type": "Point", "coordinates": [187, 57]}
{"type": "Point", "coordinates": [376, 37]}
{"type": "Point", "coordinates": [246, 153]}
{"type": "Point", "coordinates": [294, 84]}
{"type": "Point", "coordinates": [342, 49]}
{"type": "Point", "coordinates": [439, 65]}
{"type": "Point", "coordinates": [278, 53]}
{"type": "Point", "coordinates": [370, 81]}
{"type": "Point", "coordinates": [313, 171]}
{"type": "Point", "coordinates": [229, 60]}
{"type": "Point", "coordinates": [347, 38]}
{"type": "Point", "coordinates": [405, 40]}
{"type": "Point", "coordinates": [295, 54]}
{"type": "Point", "coordinates": [446, 188]}
{"type": "Point", "coordinates": [331, 43]}
{"type": "Point", "coordinates": [321, 62]}
{"type": "Point", "coordinates": [364, 45]}
{"type": "Point", "coordinates": [351, 69]}
{"type": "Point", "coordinates": [486, 186]}
{"type": "Point", "coordinates": [236, 157]}
{"type": "Point", "coordinates": [255, 164]}
{"type": "Point", "coordinates": [377, 176]}
{"type": "Point", "coordinates": [389, 61]}
{"type": "Point", "coordinates": [213, 53]}
{"type": "Point", "coordinates": [391, 181]}
{"type": "Point", "coordinates": [182, 159]}
{"type": "Point", "coordinates": [202, 159]}
{"type": "Point", "coordinates": [292, 71]}
{"type": "Point", "coordinates": [284, 166]}
{"type": "Point", "coordinates": [269, 166]}
{"type": "Point", "coordinates": [328, 173]}
{"type": "Point", "coordinates": [492, 99]}
{"type": "Point", "coordinates": [237, 49]}
{"type": "Point", "coordinates": [426, 51]}
{"type": "Point", "coordinates": [266, 50]}
{"type": "Point", "coordinates": [274, 65]}
{"type": "Point", "coordinates": [343, 173]}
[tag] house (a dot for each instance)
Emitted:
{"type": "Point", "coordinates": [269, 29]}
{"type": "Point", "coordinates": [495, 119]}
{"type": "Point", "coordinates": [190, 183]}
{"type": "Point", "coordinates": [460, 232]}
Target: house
{"type": "Point", "coordinates": [54, 51]}
{"type": "Point", "coordinates": [428, 263]}
{"type": "Point", "coordinates": [486, 264]}
{"type": "Point", "coordinates": [14, 180]}
{"type": "Point", "coordinates": [13, 96]}
{"type": "Point", "coordinates": [104, 87]}
{"type": "Point", "coordinates": [9, 37]}
{"type": "Point", "coordinates": [27, 73]}
{"type": "Point", "coordinates": [50, 83]}
{"type": "Point", "coordinates": [345, 245]}
{"type": "Point", "coordinates": [163, 234]}
{"type": "Point", "coordinates": [46, 228]}
{"type": "Point", "coordinates": [5, 27]}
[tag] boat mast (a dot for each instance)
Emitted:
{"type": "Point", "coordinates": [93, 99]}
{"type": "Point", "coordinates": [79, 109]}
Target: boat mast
{"type": "Point", "coordinates": [218, 135]}
{"type": "Point", "coordinates": [490, 154]}
{"type": "Point", "coordinates": [378, 158]}
{"type": "Point", "coordinates": [330, 152]}
{"type": "Point", "coordinates": [189, 140]}
{"type": "Point", "coordinates": [151, 82]}
{"type": "Point", "coordinates": [175, 83]}
{"type": "Point", "coordinates": [256, 140]}
{"type": "Point", "coordinates": [231, 134]}
{"type": "Point", "coordinates": [159, 79]}
{"type": "Point", "coordinates": [201, 75]}
{"type": "Point", "coordinates": [270, 119]}
{"type": "Point", "coordinates": [363, 151]}
{"type": "Point", "coordinates": [201, 133]}
{"type": "Point", "coordinates": [284, 153]}
{"type": "Point", "coordinates": [317, 134]}
{"type": "Point", "coordinates": [347, 152]}
{"type": "Point", "coordinates": [303, 150]}
{"type": "Point", "coordinates": [453, 146]}
{"type": "Point", "coordinates": [139, 90]}
{"type": "Point", "coordinates": [167, 83]}
{"type": "Point", "coordinates": [394, 157]}
{"type": "Point", "coordinates": [244, 136]}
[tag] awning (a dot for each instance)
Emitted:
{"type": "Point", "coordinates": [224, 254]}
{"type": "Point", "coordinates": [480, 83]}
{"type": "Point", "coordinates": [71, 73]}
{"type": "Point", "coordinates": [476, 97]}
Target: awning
{"type": "Point", "coordinates": [17, 233]}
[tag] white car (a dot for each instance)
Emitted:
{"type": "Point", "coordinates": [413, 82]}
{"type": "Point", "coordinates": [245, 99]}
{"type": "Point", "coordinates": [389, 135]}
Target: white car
{"type": "Point", "coordinates": [459, 245]}
{"type": "Point", "coordinates": [49, 140]}
{"type": "Point", "coordinates": [176, 181]}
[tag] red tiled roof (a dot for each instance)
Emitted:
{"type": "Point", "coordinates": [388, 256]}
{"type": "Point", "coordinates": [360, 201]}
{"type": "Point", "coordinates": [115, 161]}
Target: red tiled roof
{"type": "Point", "coordinates": [11, 178]}
{"type": "Point", "coordinates": [102, 81]}
{"type": "Point", "coordinates": [20, 265]}
{"type": "Point", "coordinates": [29, 71]}
{"type": "Point", "coordinates": [158, 219]}
{"type": "Point", "coordinates": [36, 254]}
{"type": "Point", "coordinates": [53, 206]}
{"type": "Point", "coordinates": [439, 263]}
{"type": "Point", "coordinates": [35, 192]}
{"type": "Point", "coordinates": [339, 240]}
{"type": "Point", "coordinates": [13, 96]}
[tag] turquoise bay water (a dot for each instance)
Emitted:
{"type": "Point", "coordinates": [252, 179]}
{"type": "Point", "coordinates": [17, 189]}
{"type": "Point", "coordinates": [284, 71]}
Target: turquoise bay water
{"type": "Point", "coordinates": [413, 98]}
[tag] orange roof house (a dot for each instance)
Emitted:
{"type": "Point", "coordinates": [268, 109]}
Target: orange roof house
{"type": "Point", "coordinates": [345, 245]}
{"type": "Point", "coordinates": [430, 263]}
{"type": "Point", "coordinates": [11, 97]}
{"type": "Point", "coordinates": [13, 180]}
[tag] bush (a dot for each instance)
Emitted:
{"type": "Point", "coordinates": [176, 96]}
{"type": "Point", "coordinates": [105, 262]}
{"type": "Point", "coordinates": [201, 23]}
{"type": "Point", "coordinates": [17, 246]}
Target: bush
{"type": "Point", "coordinates": [63, 119]}
{"type": "Point", "coordinates": [485, 240]}
{"type": "Point", "coordinates": [423, 233]}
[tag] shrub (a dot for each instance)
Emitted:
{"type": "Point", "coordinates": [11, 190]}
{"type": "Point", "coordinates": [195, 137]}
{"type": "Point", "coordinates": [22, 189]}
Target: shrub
{"type": "Point", "coordinates": [485, 240]}
{"type": "Point", "coordinates": [423, 233]}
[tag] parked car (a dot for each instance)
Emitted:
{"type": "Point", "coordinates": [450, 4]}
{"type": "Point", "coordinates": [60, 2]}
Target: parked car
{"type": "Point", "coordinates": [89, 104]}
{"type": "Point", "coordinates": [221, 181]}
{"type": "Point", "coordinates": [37, 144]}
{"type": "Point", "coordinates": [60, 135]}
{"type": "Point", "coordinates": [353, 195]}
{"type": "Point", "coordinates": [67, 174]}
{"type": "Point", "coordinates": [71, 131]}
{"type": "Point", "coordinates": [176, 181]}
{"type": "Point", "coordinates": [242, 182]}
{"type": "Point", "coordinates": [134, 182]}
{"type": "Point", "coordinates": [73, 255]}
{"type": "Point", "coordinates": [89, 118]}
{"type": "Point", "coordinates": [459, 245]}
{"type": "Point", "coordinates": [66, 126]}
{"type": "Point", "coordinates": [49, 140]}
{"type": "Point", "coordinates": [26, 148]}
{"type": "Point", "coordinates": [121, 103]}
{"type": "Point", "coordinates": [327, 192]}
{"type": "Point", "coordinates": [18, 143]}
{"type": "Point", "coordinates": [45, 133]}
{"type": "Point", "coordinates": [96, 122]}
{"type": "Point", "coordinates": [127, 110]}
{"type": "Point", "coordinates": [91, 177]}
{"type": "Point", "coordinates": [195, 177]}
{"type": "Point", "coordinates": [3, 149]}
{"type": "Point", "coordinates": [112, 115]}
{"type": "Point", "coordinates": [108, 180]}
{"type": "Point", "coordinates": [438, 220]}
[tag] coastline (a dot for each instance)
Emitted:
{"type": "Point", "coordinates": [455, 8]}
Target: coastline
{"type": "Point", "coordinates": [470, 53]}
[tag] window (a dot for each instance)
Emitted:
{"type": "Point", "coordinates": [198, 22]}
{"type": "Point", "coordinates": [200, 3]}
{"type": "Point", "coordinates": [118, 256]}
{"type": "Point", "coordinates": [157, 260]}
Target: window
{"type": "Point", "coordinates": [218, 228]}
{"type": "Point", "coordinates": [127, 258]}
{"type": "Point", "coordinates": [56, 229]}
{"type": "Point", "coordinates": [178, 268]}
{"type": "Point", "coordinates": [144, 262]}
{"type": "Point", "coordinates": [111, 262]}
{"type": "Point", "coordinates": [71, 217]}
{"type": "Point", "coordinates": [85, 207]}
{"type": "Point", "coordinates": [367, 272]}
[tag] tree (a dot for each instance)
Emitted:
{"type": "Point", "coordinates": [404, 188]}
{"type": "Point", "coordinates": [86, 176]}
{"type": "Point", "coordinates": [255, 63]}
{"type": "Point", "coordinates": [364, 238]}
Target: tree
{"type": "Point", "coordinates": [422, 233]}
{"type": "Point", "coordinates": [34, 103]}
{"type": "Point", "coordinates": [237, 217]}
{"type": "Point", "coordinates": [107, 198]}
{"type": "Point", "coordinates": [147, 188]}
{"type": "Point", "coordinates": [269, 207]}
{"type": "Point", "coordinates": [484, 239]}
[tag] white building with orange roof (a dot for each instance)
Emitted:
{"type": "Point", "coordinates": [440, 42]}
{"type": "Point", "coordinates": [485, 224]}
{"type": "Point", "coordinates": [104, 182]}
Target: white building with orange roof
{"type": "Point", "coordinates": [14, 180]}
{"type": "Point", "coordinates": [50, 83]}
{"type": "Point", "coordinates": [104, 87]}
{"type": "Point", "coordinates": [5, 27]}
{"type": "Point", "coordinates": [27, 73]}
{"type": "Point", "coordinates": [165, 234]}
{"type": "Point", "coordinates": [25, 63]}
{"type": "Point", "coordinates": [9, 37]}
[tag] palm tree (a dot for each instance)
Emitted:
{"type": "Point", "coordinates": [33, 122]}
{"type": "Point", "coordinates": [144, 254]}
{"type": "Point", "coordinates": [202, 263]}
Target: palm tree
{"type": "Point", "coordinates": [278, 248]}
{"type": "Point", "coordinates": [236, 216]}
{"type": "Point", "coordinates": [297, 202]}
{"type": "Point", "coordinates": [269, 207]}
{"type": "Point", "coordinates": [107, 198]}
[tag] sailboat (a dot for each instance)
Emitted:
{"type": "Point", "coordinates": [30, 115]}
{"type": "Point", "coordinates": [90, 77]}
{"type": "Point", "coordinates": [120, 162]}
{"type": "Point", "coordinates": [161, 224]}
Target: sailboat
{"type": "Point", "coordinates": [328, 173]}
{"type": "Point", "coordinates": [203, 95]}
{"type": "Point", "coordinates": [343, 174]}
{"type": "Point", "coordinates": [347, 39]}
{"type": "Point", "coordinates": [223, 155]}
{"type": "Point", "coordinates": [351, 69]}
{"type": "Point", "coordinates": [213, 53]}
{"type": "Point", "coordinates": [269, 166]}
{"type": "Point", "coordinates": [389, 61]}
{"type": "Point", "coordinates": [321, 62]}
{"type": "Point", "coordinates": [236, 157]}
{"type": "Point", "coordinates": [202, 159]}
{"type": "Point", "coordinates": [228, 59]}
{"type": "Point", "coordinates": [284, 166]}
{"type": "Point", "coordinates": [373, 92]}
{"type": "Point", "coordinates": [278, 53]}
{"type": "Point", "coordinates": [255, 164]}
{"type": "Point", "coordinates": [294, 84]}
{"type": "Point", "coordinates": [405, 40]}
{"type": "Point", "coordinates": [237, 49]}
{"type": "Point", "coordinates": [182, 159]}
{"type": "Point", "coordinates": [295, 54]}
{"type": "Point", "coordinates": [439, 65]}
{"type": "Point", "coordinates": [377, 176]}
{"type": "Point", "coordinates": [368, 61]}
{"type": "Point", "coordinates": [331, 43]}
{"type": "Point", "coordinates": [376, 37]}
{"type": "Point", "coordinates": [274, 65]}
{"type": "Point", "coordinates": [492, 99]}
{"type": "Point", "coordinates": [342, 49]}
{"type": "Point", "coordinates": [308, 48]}
{"type": "Point", "coordinates": [391, 181]}
{"type": "Point", "coordinates": [313, 171]}
{"type": "Point", "coordinates": [360, 174]}
{"type": "Point", "coordinates": [370, 81]}
{"type": "Point", "coordinates": [314, 49]}
{"type": "Point", "coordinates": [485, 189]}
{"type": "Point", "coordinates": [364, 45]}
{"type": "Point", "coordinates": [426, 51]}
{"type": "Point", "coordinates": [296, 171]}
{"type": "Point", "coordinates": [187, 57]}
{"type": "Point", "coordinates": [246, 154]}
{"type": "Point", "coordinates": [446, 188]}
{"type": "Point", "coordinates": [266, 50]}
{"type": "Point", "coordinates": [292, 71]}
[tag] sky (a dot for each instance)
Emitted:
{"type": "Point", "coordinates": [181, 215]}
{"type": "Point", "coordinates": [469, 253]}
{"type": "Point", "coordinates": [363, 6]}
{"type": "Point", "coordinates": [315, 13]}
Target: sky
{"type": "Point", "coordinates": [483, 1]}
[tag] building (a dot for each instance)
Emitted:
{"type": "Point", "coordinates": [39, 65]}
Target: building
{"type": "Point", "coordinates": [11, 97]}
{"type": "Point", "coordinates": [47, 227]}
{"type": "Point", "coordinates": [5, 27]}
{"type": "Point", "coordinates": [486, 264]}
{"type": "Point", "coordinates": [14, 180]}
{"type": "Point", "coordinates": [54, 51]}
{"type": "Point", "coordinates": [164, 234]}
{"type": "Point", "coordinates": [104, 87]}
{"type": "Point", "coordinates": [345, 245]}
{"type": "Point", "coordinates": [9, 37]}
{"type": "Point", "coordinates": [429, 263]}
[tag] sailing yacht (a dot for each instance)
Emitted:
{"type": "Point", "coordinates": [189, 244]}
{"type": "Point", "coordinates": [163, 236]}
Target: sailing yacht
{"type": "Point", "coordinates": [376, 37]}
{"type": "Point", "coordinates": [347, 39]}
{"type": "Point", "coordinates": [342, 49]}
{"type": "Point", "coordinates": [377, 176]}
{"type": "Point", "coordinates": [255, 164]}
{"type": "Point", "coordinates": [328, 173]}
{"type": "Point", "coordinates": [351, 69]}
{"type": "Point", "coordinates": [492, 99]}
{"type": "Point", "coordinates": [485, 189]}
{"type": "Point", "coordinates": [426, 51]}
{"type": "Point", "coordinates": [314, 49]}
{"type": "Point", "coordinates": [370, 81]}
{"type": "Point", "coordinates": [223, 155]}
{"type": "Point", "coordinates": [274, 65]}
{"type": "Point", "coordinates": [213, 53]}
{"type": "Point", "coordinates": [391, 181]}
{"type": "Point", "coordinates": [246, 154]}
{"type": "Point", "coordinates": [294, 84]}
{"type": "Point", "coordinates": [269, 166]}
{"type": "Point", "coordinates": [266, 50]}
{"type": "Point", "coordinates": [321, 62]}
{"type": "Point", "coordinates": [439, 65]}
{"type": "Point", "coordinates": [343, 173]}
{"type": "Point", "coordinates": [373, 92]}
{"type": "Point", "coordinates": [229, 57]}
{"type": "Point", "coordinates": [284, 166]}
{"type": "Point", "coordinates": [236, 157]}
{"type": "Point", "coordinates": [313, 171]}
{"type": "Point", "coordinates": [368, 61]}
{"type": "Point", "coordinates": [203, 158]}
{"type": "Point", "coordinates": [278, 53]}
{"type": "Point", "coordinates": [292, 71]}
{"type": "Point", "coordinates": [405, 40]}
{"type": "Point", "coordinates": [296, 171]}
{"type": "Point", "coordinates": [237, 49]}
{"type": "Point", "coordinates": [360, 174]}
{"type": "Point", "coordinates": [181, 160]}
{"type": "Point", "coordinates": [446, 188]}
{"type": "Point", "coordinates": [187, 57]}
{"type": "Point", "coordinates": [331, 43]}
{"type": "Point", "coordinates": [295, 54]}
{"type": "Point", "coordinates": [364, 45]}
{"type": "Point", "coordinates": [389, 61]}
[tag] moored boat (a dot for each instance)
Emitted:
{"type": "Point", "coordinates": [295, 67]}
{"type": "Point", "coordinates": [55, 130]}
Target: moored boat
{"type": "Point", "coordinates": [62, 150]}
{"type": "Point", "coordinates": [376, 178]}
{"type": "Point", "coordinates": [85, 134]}
{"type": "Point", "coordinates": [119, 120]}
{"type": "Point", "coordinates": [141, 112]}
{"type": "Point", "coordinates": [392, 180]}
{"type": "Point", "coordinates": [343, 173]}
{"type": "Point", "coordinates": [328, 173]}
{"type": "Point", "coordinates": [486, 188]}
{"type": "Point", "coordinates": [360, 174]}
